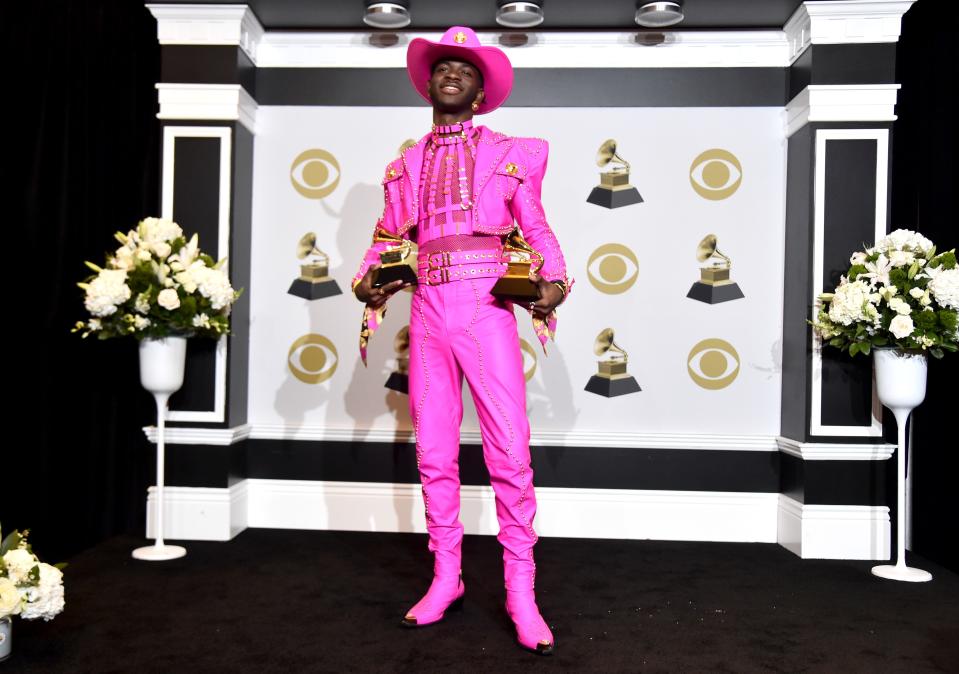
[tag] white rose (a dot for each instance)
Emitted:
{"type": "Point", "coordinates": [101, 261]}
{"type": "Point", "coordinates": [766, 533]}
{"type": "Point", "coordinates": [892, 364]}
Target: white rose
{"type": "Point", "coordinates": [19, 561]}
{"type": "Point", "coordinates": [10, 599]}
{"type": "Point", "coordinates": [858, 258]}
{"type": "Point", "coordinates": [915, 293]}
{"type": "Point", "coordinates": [162, 249]}
{"type": "Point", "coordinates": [168, 299]}
{"type": "Point", "coordinates": [901, 326]}
{"type": "Point", "coordinates": [900, 306]}
{"type": "Point", "coordinates": [144, 255]}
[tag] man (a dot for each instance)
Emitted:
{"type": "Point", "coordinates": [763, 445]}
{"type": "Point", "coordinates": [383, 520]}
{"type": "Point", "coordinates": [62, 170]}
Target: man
{"type": "Point", "coordinates": [457, 193]}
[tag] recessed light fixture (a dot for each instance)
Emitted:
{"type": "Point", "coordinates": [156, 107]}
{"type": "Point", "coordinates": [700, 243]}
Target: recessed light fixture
{"type": "Point", "coordinates": [390, 15]}
{"type": "Point", "coordinates": [658, 14]}
{"type": "Point", "coordinates": [519, 14]}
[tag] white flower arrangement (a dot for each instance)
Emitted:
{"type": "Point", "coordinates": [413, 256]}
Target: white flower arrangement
{"type": "Point", "coordinates": [29, 588]}
{"type": "Point", "coordinates": [156, 284]}
{"type": "Point", "coordinates": [898, 293]}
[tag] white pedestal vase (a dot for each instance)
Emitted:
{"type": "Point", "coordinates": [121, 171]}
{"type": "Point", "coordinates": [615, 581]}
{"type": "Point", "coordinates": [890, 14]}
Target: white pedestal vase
{"type": "Point", "coordinates": [901, 384]}
{"type": "Point", "coordinates": [162, 362]}
{"type": "Point", "coordinates": [6, 638]}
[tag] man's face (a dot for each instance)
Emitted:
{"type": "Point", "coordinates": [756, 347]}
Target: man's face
{"type": "Point", "coordinates": [455, 85]}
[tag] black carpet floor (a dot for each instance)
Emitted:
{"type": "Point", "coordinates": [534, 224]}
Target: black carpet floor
{"type": "Point", "coordinates": [305, 601]}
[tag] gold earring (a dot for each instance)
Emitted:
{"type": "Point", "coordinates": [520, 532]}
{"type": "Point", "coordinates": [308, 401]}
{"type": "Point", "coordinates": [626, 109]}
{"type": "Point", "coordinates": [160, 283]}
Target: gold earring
{"type": "Point", "coordinates": [475, 106]}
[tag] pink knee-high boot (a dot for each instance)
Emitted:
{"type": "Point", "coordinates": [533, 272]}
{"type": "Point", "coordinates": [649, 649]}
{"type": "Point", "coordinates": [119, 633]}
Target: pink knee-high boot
{"type": "Point", "coordinates": [436, 409]}
{"type": "Point", "coordinates": [488, 351]}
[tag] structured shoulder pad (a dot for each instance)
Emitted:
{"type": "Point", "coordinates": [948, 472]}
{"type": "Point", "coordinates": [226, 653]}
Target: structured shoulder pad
{"type": "Point", "coordinates": [534, 147]}
{"type": "Point", "coordinates": [393, 170]}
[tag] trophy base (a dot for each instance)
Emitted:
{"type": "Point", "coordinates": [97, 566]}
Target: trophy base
{"type": "Point", "coordinates": [714, 294]}
{"type": "Point", "coordinates": [310, 290]}
{"type": "Point", "coordinates": [610, 387]}
{"type": "Point", "coordinates": [607, 198]}
{"type": "Point", "coordinates": [389, 273]}
{"type": "Point", "coordinates": [398, 382]}
{"type": "Point", "coordinates": [518, 289]}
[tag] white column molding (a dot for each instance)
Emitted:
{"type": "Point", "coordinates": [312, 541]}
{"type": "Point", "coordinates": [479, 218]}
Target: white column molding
{"type": "Point", "coordinates": [827, 451]}
{"type": "Point", "coordinates": [207, 101]}
{"type": "Point", "coordinates": [844, 22]}
{"type": "Point", "coordinates": [208, 25]}
{"type": "Point", "coordinates": [841, 103]}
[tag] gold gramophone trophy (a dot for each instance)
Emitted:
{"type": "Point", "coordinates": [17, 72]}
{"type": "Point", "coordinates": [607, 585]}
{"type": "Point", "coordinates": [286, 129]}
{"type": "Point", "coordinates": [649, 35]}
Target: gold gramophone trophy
{"type": "Point", "coordinates": [614, 190]}
{"type": "Point", "coordinates": [399, 380]}
{"type": "Point", "coordinates": [612, 379]}
{"type": "Point", "coordinates": [398, 262]}
{"type": "Point", "coordinates": [714, 285]}
{"type": "Point", "coordinates": [314, 282]}
{"type": "Point", "coordinates": [515, 284]}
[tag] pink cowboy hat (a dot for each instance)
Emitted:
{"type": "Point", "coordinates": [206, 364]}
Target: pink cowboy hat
{"type": "Point", "coordinates": [462, 44]}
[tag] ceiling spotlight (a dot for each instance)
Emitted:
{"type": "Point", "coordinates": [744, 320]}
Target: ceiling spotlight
{"type": "Point", "coordinates": [390, 15]}
{"type": "Point", "coordinates": [658, 14]}
{"type": "Point", "coordinates": [519, 14]}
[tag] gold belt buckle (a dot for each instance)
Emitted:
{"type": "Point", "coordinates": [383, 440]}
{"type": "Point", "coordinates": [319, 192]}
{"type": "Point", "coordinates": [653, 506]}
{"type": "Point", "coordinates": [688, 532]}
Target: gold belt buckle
{"type": "Point", "coordinates": [444, 260]}
{"type": "Point", "coordinates": [444, 276]}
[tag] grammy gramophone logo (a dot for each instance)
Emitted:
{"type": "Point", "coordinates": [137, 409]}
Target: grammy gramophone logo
{"type": "Point", "coordinates": [312, 358]}
{"type": "Point", "coordinates": [612, 379]}
{"type": "Point", "coordinates": [315, 173]}
{"type": "Point", "coordinates": [399, 379]}
{"type": "Point", "coordinates": [397, 261]}
{"type": "Point", "coordinates": [614, 190]}
{"type": "Point", "coordinates": [314, 282]}
{"type": "Point", "coordinates": [714, 284]}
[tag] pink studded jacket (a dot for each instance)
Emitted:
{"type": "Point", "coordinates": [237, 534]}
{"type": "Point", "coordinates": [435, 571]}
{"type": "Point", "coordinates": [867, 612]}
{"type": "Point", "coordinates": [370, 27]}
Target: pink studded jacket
{"type": "Point", "coordinates": [507, 187]}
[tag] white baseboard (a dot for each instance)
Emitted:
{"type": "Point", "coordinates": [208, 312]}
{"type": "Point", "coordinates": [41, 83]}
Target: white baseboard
{"type": "Point", "coordinates": [809, 531]}
{"type": "Point", "coordinates": [834, 531]}
{"type": "Point", "coordinates": [199, 513]}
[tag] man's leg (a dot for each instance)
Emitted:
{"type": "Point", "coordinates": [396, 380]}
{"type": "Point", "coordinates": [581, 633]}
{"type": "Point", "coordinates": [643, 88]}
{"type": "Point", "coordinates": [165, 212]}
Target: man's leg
{"type": "Point", "coordinates": [487, 348]}
{"type": "Point", "coordinates": [436, 409]}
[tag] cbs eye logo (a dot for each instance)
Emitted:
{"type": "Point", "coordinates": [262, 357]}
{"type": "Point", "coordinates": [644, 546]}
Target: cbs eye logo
{"type": "Point", "coordinates": [713, 364]}
{"type": "Point", "coordinates": [715, 174]}
{"type": "Point", "coordinates": [312, 359]}
{"type": "Point", "coordinates": [529, 359]}
{"type": "Point", "coordinates": [312, 173]}
{"type": "Point", "coordinates": [612, 268]}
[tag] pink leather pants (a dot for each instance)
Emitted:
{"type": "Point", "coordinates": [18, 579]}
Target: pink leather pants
{"type": "Point", "coordinates": [458, 329]}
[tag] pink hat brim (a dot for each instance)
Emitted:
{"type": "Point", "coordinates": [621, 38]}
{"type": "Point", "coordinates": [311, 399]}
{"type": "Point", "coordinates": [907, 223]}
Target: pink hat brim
{"type": "Point", "coordinates": [492, 62]}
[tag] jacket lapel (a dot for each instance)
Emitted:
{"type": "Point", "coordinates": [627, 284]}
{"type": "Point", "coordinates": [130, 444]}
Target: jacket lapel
{"type": "Point", "coordinates": [491, 149]}
{"type": "Point", "coordinates": [413, 164]}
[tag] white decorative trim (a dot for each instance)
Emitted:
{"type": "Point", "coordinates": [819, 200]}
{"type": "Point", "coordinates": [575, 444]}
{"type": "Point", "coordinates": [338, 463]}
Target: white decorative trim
{"type": "Point", "coordinates": [810, 531]}
{"type": "Point", "coordinates": [571, 438]}
{"type": "Point", "coordinates": [569, 513]}
{"type": "Point", "coordinates": [182, 435]}
{"type": "Point", "coordinates": [208, 25]}
{"type": "Point", "coordinates": [207, 101]}
{"type": "Point", "coordinates": [846, 22]}
{"type": "Point", "coordinates": [841, 103]}
{"type": "Point", "coordinates": [225, 134]}
{"type": "Point", "coordinates": [834, 531]}
{"type": "Point", "coordinates": [826, 451]}
{"type": "Point", "coordinates": [561, 49]}
{"type": "Point", "coordinates": [199, 513]}
{"type": "Point", "coordinates": [881, 136]}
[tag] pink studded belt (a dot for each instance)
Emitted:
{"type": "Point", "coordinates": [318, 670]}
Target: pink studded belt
{"type": "Point", "coordinates": [443, 267]}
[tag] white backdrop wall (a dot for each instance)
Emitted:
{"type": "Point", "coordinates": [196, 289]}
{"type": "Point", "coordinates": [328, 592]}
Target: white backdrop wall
{"type": "Point", "coordinates": [653, 321]}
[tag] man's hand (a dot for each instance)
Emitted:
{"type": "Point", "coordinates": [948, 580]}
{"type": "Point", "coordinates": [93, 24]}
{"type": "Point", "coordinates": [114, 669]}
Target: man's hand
{"type": "Point", "coordinates": [376, 297]}
{"type": "Point", "coordinates": [550, 296]}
